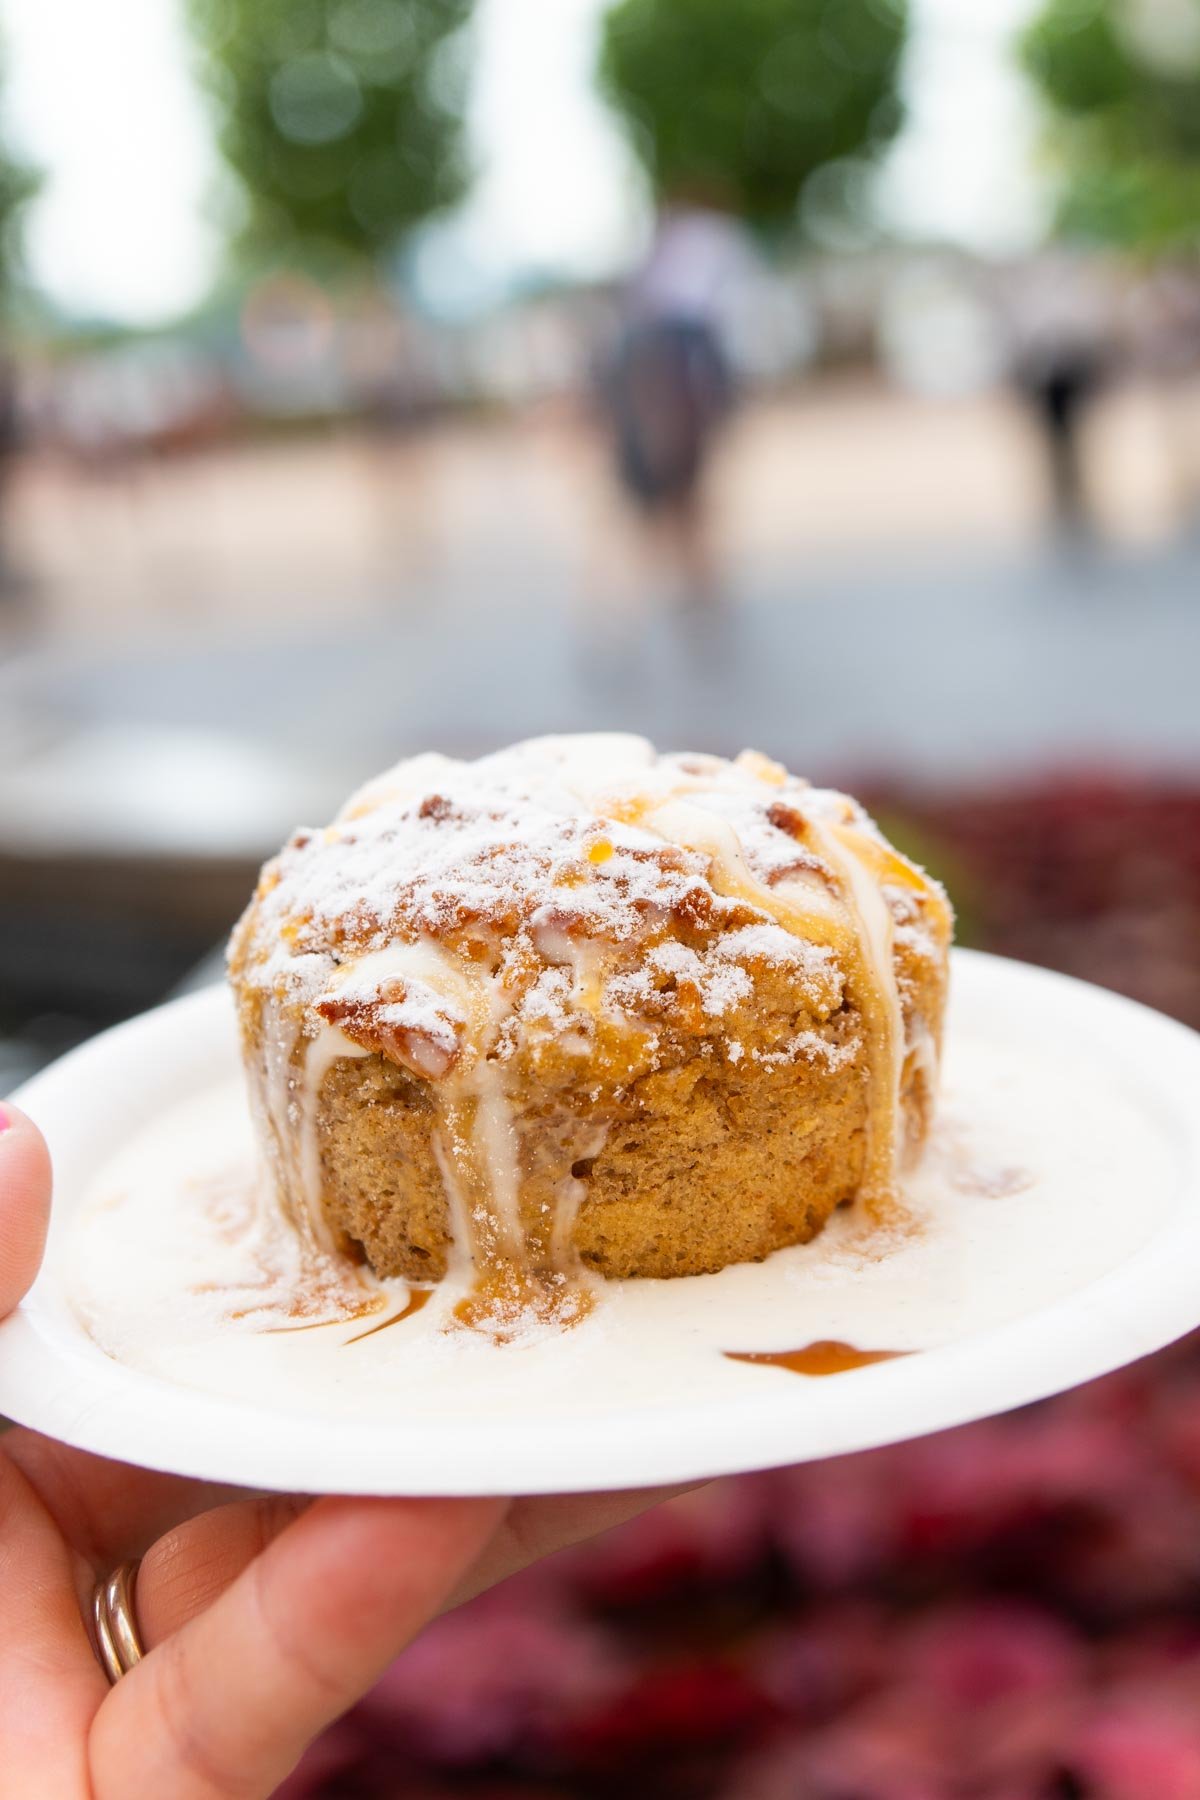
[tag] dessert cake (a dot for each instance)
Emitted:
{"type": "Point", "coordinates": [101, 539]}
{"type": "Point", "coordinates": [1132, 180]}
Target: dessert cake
{"type": "Point", "coordinates": [580, 1006]}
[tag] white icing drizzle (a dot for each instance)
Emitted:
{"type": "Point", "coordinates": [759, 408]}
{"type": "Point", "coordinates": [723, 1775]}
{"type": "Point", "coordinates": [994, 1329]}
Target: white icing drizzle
{"type": "Point", "coordinates": [843, 847]}
{"type": "Point", "coordinates": [282, 1101]}
{"type": "Point", "coordinates": [923, 1052]}
{"type": "Point", "coordinates": [571, 1193]}
{"type": "Point", "coordinates": [494, 1143]}
{"type": "Point", "coordinates": [462, 1234]}
{"type": "Point", "coordinates": [320, 1053]}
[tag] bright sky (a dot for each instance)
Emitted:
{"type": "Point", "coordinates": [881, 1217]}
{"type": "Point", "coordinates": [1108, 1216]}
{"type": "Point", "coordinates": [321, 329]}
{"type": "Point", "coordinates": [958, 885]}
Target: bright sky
{"type": "Point", "coordinates": [963, 167]}
{"type": "Point", "coordinates": [101, 97]}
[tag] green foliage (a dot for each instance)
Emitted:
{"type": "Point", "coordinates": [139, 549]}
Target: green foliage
{"type": "Point", "coordinates": [18, 184]}
{"type": "Point", "coordinates": [1072, 49]}
{"type": "Point", "coordinates": [1123, 80]}
{"type": "Point", "coordinates": [340, 118]}
{"type": "Point", "coordinates": [740, 101]}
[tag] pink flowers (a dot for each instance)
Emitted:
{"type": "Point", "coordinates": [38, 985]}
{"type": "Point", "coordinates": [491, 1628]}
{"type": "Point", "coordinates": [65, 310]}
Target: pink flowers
{"type": "Point", "coordinates": [1006, 1612]}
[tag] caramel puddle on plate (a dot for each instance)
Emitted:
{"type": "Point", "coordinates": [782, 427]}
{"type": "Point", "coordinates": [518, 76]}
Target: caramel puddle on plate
{"type": "Point", "coordinates": [506, 1297]}
{"type": "Point", "coordinates": [420, 1298]}
{"type": "Point", "coordinates": [826, 1357]}
{"type": "Point", "coordinates": [287, 1330]}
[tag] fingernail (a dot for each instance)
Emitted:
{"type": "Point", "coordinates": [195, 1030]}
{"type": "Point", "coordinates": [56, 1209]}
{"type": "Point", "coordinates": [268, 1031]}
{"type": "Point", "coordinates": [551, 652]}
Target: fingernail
{"type": "Point", "coordinates": [5, 1120]}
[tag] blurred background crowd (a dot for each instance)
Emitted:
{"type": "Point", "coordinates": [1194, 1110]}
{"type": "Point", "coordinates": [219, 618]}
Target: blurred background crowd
{"type": "Point", "coordinates": [824, 375]}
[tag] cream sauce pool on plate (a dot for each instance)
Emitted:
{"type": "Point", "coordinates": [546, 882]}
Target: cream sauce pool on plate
{"type": "Point", "coordinates": [1042, 1175]}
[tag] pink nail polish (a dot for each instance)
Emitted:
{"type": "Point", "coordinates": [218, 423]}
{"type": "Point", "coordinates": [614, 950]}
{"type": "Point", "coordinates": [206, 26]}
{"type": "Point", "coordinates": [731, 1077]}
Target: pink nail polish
{"type": "Point", "coordinates": [5, 1120]}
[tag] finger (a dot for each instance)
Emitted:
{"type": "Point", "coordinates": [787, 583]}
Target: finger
{"type": "Point", "coordinates": [50, 1681]}
{"type": "Point", "coordinates": [24, 1204]}
{"type": "Point", "coordinates": [534, 1528]}
{"type": "Point", "coordinates": [222, 1710]}
{"type": "Point", "coordinates": [108, 1510]}
{"type": "Point", "coordinates": [192, 1565]}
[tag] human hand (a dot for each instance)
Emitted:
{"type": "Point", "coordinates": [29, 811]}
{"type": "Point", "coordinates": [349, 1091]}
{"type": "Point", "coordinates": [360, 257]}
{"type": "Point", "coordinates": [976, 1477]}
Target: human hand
{"type": "Point", "coordinates": [24, 1204]}
{"type": "Point", "coordinates": [262, 1618]}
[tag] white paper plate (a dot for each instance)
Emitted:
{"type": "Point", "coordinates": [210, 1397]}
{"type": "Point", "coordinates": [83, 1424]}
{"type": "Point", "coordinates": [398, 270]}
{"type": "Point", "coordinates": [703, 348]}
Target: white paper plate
{"type": "Point", "coordinates": [1060, 1238]}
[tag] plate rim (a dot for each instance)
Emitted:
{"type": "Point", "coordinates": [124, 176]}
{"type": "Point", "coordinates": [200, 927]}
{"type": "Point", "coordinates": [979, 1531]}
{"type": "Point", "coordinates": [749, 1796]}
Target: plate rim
{"type": "Point", "coordinates": [1080, 1336]}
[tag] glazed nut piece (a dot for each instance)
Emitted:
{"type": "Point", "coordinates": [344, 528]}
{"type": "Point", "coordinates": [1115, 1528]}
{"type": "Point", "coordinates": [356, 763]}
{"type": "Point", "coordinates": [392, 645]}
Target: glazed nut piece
{"type": "Point", "coordinates": [579, 1006]}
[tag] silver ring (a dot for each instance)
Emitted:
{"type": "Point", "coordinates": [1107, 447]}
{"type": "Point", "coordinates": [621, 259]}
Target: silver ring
{"type": "Point", "coordinates": [117, 1640]}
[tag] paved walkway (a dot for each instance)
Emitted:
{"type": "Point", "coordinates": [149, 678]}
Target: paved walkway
{"type": "Point", "coordinates": [946, 672]}
{"type": "Point", "coordinates": [223, 648]}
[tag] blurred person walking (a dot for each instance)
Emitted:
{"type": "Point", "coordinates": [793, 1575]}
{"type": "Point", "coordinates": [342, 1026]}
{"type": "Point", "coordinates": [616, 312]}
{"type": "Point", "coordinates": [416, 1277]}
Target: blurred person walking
{"type": "Point", "coordinates": [669, 384]}
{"type": "Point", "coordinates": [1061, 325]}
{"type": "Point", "coordinates": [737, 109]}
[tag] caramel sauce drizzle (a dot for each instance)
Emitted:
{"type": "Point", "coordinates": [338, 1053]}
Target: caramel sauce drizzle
{"type": "Point", "coordinates": [827, 1356]}
{"type": "Point", "coordinates": [420, 1297]}
{"type": "Point", "coordinates": [309, 1324]}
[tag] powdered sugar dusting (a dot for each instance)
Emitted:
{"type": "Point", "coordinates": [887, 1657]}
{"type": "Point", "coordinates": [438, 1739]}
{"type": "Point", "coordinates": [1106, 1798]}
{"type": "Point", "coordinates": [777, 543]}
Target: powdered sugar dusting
{"type": "Point", "coordinates": [538, 843]}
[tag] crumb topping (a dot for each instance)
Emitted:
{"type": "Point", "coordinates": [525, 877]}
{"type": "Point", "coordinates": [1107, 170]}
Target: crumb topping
{"type": "Point", "coordinates": [540, 864]}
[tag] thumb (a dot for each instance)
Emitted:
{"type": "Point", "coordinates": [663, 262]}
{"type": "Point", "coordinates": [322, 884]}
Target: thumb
{"type": "Point", "coordinates": [24, 1203]}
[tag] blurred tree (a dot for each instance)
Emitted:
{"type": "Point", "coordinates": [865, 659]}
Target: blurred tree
{"type": "Point", "coordinates": [18, 183]}
{"type": "Point", "coordinates": [340, 118]}
{"type": "Point", "coordinates": [740, 104]}
{"type": "Point", "coordinates": [1123, 79]}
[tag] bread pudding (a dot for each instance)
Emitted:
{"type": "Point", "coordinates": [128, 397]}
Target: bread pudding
{"type": "Point", "coordinates": [578, 1006]}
